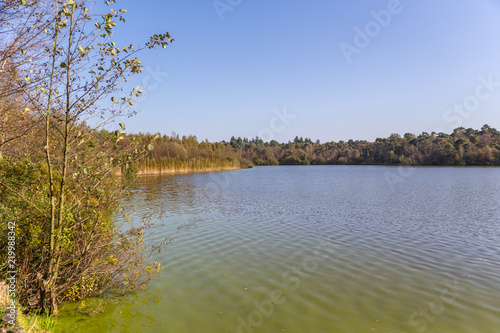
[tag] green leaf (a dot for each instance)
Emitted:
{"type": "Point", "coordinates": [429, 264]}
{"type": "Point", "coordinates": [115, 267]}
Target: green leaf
{"type": "Point", "coordinates": [122, 125]}
{"type": "Point", "coordinates": [150, 147]}
{"type": "Point", "coordinates": [113, 99]}
{"type": "Point", "coordinates": [85, 171]}
{"type": "Point", "coordinates": [157, 136]}
{"type": "Point", "coordinates": [63, 65]}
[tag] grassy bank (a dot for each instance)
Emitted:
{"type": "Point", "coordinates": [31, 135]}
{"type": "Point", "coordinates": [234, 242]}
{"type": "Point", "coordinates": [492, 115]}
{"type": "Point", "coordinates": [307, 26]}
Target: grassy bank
{"type": "Point", "coordinates": [149, 166]}
{"type": "Point", "coordinates": [35, 323]}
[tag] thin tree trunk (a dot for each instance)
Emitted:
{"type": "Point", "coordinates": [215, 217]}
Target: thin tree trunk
{"type": "Point", "coordinates": [64, 172]}
{"type": "Point", "coordinates": [47, 278]}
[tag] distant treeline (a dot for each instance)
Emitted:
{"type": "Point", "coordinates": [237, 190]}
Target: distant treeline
{"type": "Point", "coordinates": [462, 147]}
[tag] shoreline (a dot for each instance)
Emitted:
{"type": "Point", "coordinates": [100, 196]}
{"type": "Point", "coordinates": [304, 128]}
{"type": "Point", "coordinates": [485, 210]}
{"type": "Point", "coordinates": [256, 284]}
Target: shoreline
{"type": "Point", "coordinates": [179, 171]}
{"type": "Point", "coordinates": [187, 170]}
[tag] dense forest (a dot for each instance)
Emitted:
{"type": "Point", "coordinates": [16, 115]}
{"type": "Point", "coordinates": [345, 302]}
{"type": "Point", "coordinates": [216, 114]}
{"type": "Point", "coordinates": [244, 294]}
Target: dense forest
{"type": "Point", "coordinates": [462, 147]}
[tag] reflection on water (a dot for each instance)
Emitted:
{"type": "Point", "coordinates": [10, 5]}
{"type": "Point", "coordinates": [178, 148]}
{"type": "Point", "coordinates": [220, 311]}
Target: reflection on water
{"type": "Point", "coordinates": [318, 249]}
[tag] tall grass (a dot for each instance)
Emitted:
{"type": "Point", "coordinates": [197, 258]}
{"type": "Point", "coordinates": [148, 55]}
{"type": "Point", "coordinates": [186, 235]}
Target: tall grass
{"type": "Point", "coordinates": [176, 166]}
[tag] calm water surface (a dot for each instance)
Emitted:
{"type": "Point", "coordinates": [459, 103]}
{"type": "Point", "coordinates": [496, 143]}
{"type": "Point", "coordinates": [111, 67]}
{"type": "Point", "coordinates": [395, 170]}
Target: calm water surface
{"type": "Point", "coordinates": [318, 249]}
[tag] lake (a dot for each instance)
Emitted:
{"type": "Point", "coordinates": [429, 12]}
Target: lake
{"type": "Point", "coordinates": [318, 249]}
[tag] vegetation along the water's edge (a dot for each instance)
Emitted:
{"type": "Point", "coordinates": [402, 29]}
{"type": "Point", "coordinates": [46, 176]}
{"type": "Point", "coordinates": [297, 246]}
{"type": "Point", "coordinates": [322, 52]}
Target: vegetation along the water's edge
{"type": "Point", "coordinates": [61, 77]}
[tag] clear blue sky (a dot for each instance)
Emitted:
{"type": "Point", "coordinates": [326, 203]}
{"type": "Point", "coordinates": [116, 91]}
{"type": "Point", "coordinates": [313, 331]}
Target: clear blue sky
{"type": "Point", "coordinates": [224, 77]}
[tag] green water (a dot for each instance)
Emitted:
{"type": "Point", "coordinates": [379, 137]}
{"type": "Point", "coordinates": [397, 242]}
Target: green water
{"type": "Point", "coordinates": [318, 249]}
